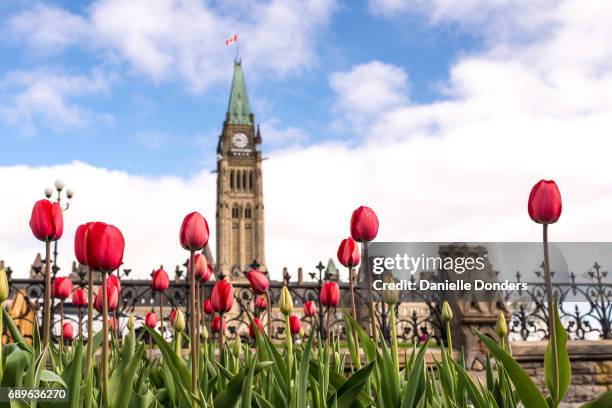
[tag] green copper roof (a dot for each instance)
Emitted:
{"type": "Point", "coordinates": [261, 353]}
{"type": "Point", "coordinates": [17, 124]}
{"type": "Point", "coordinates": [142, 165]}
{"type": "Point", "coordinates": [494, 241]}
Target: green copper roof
{"type": "Point", "coordinates": [238, 108]}
{"type": "Point", "coordinates": [331, 267]}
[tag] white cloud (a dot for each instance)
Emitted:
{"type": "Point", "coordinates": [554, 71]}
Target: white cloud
{"type": "Point", "coordinates": [184, 39]}
{"type": "Point", "coordinates": [275, 135]}
{"type": "Point", "coordinates": [47, 98]}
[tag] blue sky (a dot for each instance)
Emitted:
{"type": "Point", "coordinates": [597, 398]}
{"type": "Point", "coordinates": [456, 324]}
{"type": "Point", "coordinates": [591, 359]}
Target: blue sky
{"type": "Point", "coordinates": [152, 127]}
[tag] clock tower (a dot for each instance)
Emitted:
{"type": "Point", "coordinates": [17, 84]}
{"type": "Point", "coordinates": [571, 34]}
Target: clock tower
{"type": "Point", "coordinates": [240, 208]}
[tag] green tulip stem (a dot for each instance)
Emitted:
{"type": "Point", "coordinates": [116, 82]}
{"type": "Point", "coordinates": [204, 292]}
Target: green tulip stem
{"type": "Point", "coordinates": [221, 335]}
{"type": "Point", "coordinates": [80, 323]}
{"type": "Point", "coordinates": [289, 341]}
{"type": "Point", "coordinates": [89, 362]}
{"type": "Point", "coordinates": [551, 314]}
{"type": "Point", "coordinates": [47, 328]}
{"type": "Point", "coordinates": [1, 337]}
{"type": "Point", "coordinates": [105, 400]}
{"type": "Point", "coordinates": [61, 331]}
{"type": "Point", "coordinates": [192, 327]}
{"type": "Point", "coordinates": [354, 312]}
{"type": "Point", "coordinates": [450, 341]}
{"type": "Point", "coordinates": [366, 269]}
{"type": "Point", "coordinates": [394, 349]}
{"type": "Point", "coordinates": [161, 314]}
{"type": "Point", "coordinates": [177, 344]}
{"type": "Point", "coordinates": [327, 323]}
{"type": "Point", "coordinates": [269, 308]}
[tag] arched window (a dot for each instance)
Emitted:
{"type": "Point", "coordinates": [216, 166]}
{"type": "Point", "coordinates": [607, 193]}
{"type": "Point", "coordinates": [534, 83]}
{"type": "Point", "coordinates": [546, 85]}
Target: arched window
{"type": "Point", "coordinates": [251, 180]}
{"type": "Point", "coordinates": [239, 179]}
{"type": "Point", "coordinates": [235, 211]}
{"type": "Point", "coordinates": [244, 180]}
{"type": "Point", "coordinates": [232, 179]}
{"type": "Point", "coordinates": [247, 212]}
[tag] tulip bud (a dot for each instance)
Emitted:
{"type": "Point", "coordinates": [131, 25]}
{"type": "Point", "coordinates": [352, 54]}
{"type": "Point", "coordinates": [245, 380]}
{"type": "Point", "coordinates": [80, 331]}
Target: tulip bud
{"type": "Point", "coordinates": [114, 280]}
{"type": "Point", "coordinates": [104, 245]}
{"type": "Point", "coordinates": [302, 332]}
{"type": "Point", "coordinates": [336, 359]}
{"type": "Point", "coordinates": [179, 321]}
{"type": "Point", "coordinates": [285, 303]}
{"type": "Point", "coordinates": [204, 333]}
{"type": "Point", "coordinates": [151, 320]}
{"type": "Point", "coordinates": [447, 312]}
{"type": "Point", "coordinates": [47, 221]}
{"type": "Point", "coordinates": [222, 296]}
{"type": "Point", "coordinates": [256, 323]}
{"type": "Point", "coordinates": [330, 294]}
{"type": "Point", "coordinates": [348, 253]}
{"type": "Point", "coordinates": [160, 281]}
{"type": "Point", "coordinates": [364, 224]}
{"type": "Point", "coordinates": [79, 297]}
{"type": "Point", "coordinates": [501, 327]}
{"type": "Point", "coordinates": [218, 324]}
{"type": "Point", "coordinates": [544, 204]}
{"type": "Point", "coordinates": [236, 347]}
{"type": "Point", "coordinates": [4, 286]}
{"type": "Point", "coordinates": [208, 309]}
{"type": "Point", "coordinates": [62, 287]}
{"type": "Point", "coordinates": [194, 232]}
{"type": "Point", "coordinates": [202, 269]}
{"type": "Point", "coordinates": [389, 293]}
{"type": "Point", "coordinates": [260, 302]}
{"type": "Point", "coordinates": [295, 325]}
{"type": "Point", "coordinates": [67, 331]}
{"type": "Point", "coordinates": [79, 243]}
{"type": "Point", "coordinates": [310, 309]}
{"type": "Point", "coordinates": [257, 279]}
{"type": "Point", "coordinates": [130, 323]}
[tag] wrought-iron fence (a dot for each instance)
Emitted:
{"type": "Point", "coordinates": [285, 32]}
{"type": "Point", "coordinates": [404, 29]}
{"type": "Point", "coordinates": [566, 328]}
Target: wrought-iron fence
{"type": "Point", "coordinates": [417, 315]}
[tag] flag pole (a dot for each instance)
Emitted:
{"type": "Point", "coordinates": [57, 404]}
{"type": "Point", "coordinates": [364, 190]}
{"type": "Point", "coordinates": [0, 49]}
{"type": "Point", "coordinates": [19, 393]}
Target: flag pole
{"type": "Point", "coordinates": [237, 46]}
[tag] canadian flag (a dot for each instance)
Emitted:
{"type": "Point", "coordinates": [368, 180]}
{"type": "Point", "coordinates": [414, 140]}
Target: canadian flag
{"type": "Point", "coordinates": [232, 39]}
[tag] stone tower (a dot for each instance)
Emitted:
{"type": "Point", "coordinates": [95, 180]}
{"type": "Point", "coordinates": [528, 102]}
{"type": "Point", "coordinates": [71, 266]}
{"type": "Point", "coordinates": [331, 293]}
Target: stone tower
{"type": "Point", "coordinates": [240, 208]}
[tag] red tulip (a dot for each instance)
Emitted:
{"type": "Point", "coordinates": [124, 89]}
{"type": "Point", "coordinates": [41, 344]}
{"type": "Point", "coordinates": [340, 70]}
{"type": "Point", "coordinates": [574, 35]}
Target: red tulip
{"type": "Point", "coordinates": [330, 294]}
{"type": "Point", "coordinates": [104, 246]}
{"type": "Point", "coordinates": [208, 309]}
{"type": "Point", "coordinates": [62, 287]}
{"type": "Point", "coordinates": [222, 296]}
{"type": "Point", "coordinates": [216, 324]}
{"type": "Point", "coordinates": [114, 280]}
{"type": "Point", "coordinates": [545, 202]}
{"type": "Point", "coordinates": [203, 270]}
{"type": "Point", "coordinates": [260, 302]}
{"type": "Point", "coordinates": [160, 281]}
{"type": "Point", "coordinates": [151, 320]}
{"type": "Point", "coordinates": [68, 331]}
{"type": "Point", "coordinates": [194, 232]}
{"type": "Point", "coordinates": [79, 297]}
{"type": "Point", "coordinates": [255, 323]}
{"type": "Point", "coordinates": [295, 324]}
{"type": "Point", "coordinates": [113, 298]}
{"type": "Point", "coordinates": [47, 221]}
{"type": "Point", "coordinates": [348, 253]}
{"type": "Point", "coordinates": [364, 224]}
{"type": "Point", "coordinates": [79, 243]}
{"type": "Point", "coordinates": [310, 309]}
{"type": "Point", "coordinates": [257, 279]}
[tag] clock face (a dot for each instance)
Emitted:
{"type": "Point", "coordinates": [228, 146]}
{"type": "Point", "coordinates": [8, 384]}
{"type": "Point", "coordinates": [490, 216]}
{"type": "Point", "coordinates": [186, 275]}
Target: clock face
{"type": "Point", "coordinates": [240, 140]}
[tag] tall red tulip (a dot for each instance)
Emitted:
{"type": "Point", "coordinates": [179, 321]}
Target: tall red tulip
{"type": "Point", "coordinates": [330, 294]}
{"type": "Point", "coordinates": [114, 280]}
{"type": "Point", "coordinates": [208, 309]}
{"type": "Point", "coordinates": [217, 323]}
{"type": "Point", "coordinates": [295, 324]}
{"type": "Point", "coordinates": [194, 232]}
{"type": "Point", "coordinates": [151, 320]}
{"type": "Point", "coordinates": [348, 253]}
{"type": "Point", "coordinates": [62, 287]}
{"type": "Point", "coordinates": [310, 310]}
{"type": "Point", "coordinates": [258, 280]}
{"type": "Point", "coordinates": [113, 298]}
{"type": "Point", "coordinates": [260, 302]}
{"type": "Point", "coordinates": [79, 297]}
{"type": "Point", "coordinates": [364, 224]}
{"type": "Point", "coordinates": [160, 281]}
{"type": "Point", "coordinates": [256, 323]}
{"type": "Point", "coordinates": [202, 269]}
{"type": "Point", "coordinates": [67, 331]}
{"type": "Point", "coordinates": [222, 296]}
{"type": "Point", "coordinates": [544, 204]}
{"type": "Point", "coordinates": [104, 247]}
{"type": "Point", "coordinates": [79, 243]}
{"type": "Point", "coordinates": [47, 221]}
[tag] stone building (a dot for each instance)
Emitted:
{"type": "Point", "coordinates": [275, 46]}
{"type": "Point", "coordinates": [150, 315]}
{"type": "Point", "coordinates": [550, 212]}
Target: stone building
{"type": "Point", "coordinates": [240, 207]}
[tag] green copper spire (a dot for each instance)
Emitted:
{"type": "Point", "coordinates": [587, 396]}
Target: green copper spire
{"type": "Point", "coordinates": [239, 110]}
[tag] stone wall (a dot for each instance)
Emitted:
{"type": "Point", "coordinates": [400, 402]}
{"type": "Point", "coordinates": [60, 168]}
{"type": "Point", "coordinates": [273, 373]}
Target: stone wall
{"type": "Point", "coordinates": [591, 366]}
